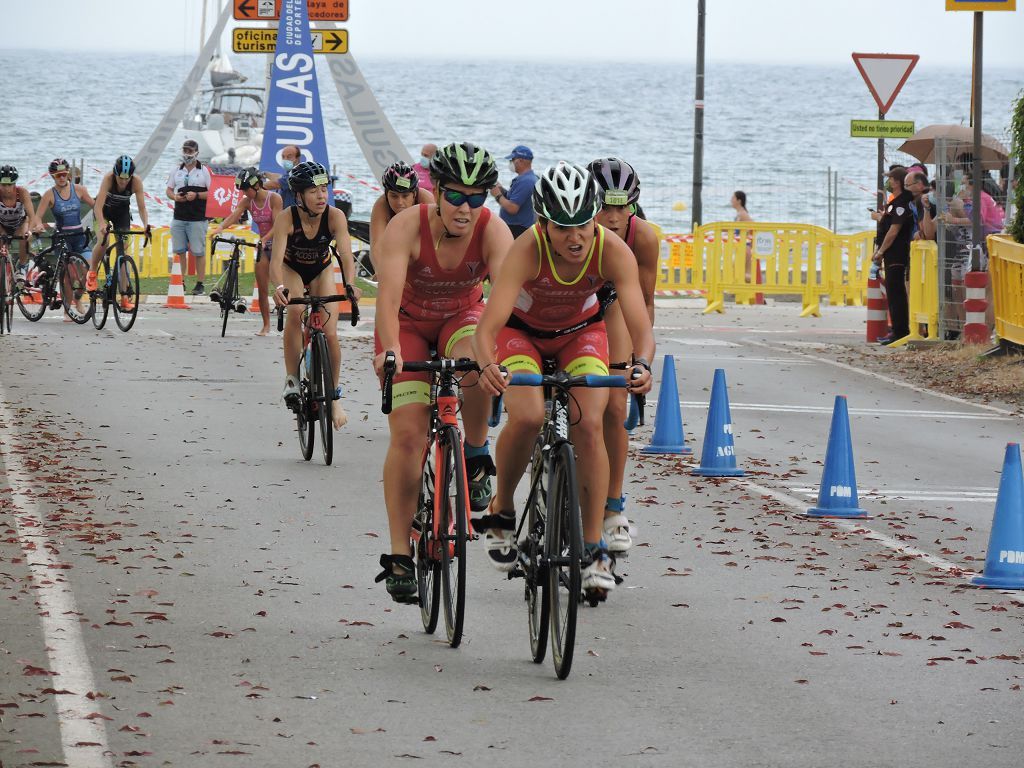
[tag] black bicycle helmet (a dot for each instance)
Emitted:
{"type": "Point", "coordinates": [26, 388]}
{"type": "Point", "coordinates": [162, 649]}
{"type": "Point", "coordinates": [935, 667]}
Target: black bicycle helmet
{"type": "Point", "coordinates": [567, 195]}
{"type": "Point", "coordinates": [8, 174]}
{"type": "Point", "coordinates": [617, 179]}
{"type": "Point", "coordinates": [400, 178]}
{"type": "Point", "coordinates": [464, 163]}
{"type": "Point", "coordinates": [60, 165]}
{"type": "Point", "coordinates": [248, 178]}
{"type": "Point", "coordinates": [307, 175]}
{"type": "Point", "coordinates": [124, 166]}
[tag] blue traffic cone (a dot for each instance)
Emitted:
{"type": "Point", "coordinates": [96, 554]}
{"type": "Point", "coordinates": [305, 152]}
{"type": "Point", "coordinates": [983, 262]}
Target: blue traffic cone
{"type": "Point", "coordinates": [837, 496]}
{"type": "Point", "coordinates": [718, 458]}
{"type": "Point", "coordinates": [1004, 564]}
{"type": "Point", "coordinates": [668, 434]}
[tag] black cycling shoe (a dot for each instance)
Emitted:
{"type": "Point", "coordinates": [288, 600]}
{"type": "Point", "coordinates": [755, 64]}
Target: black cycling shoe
{"type": "Point", "coordinates": [479, 470]}
{"type": "Point", "coordinates": [399, 577]}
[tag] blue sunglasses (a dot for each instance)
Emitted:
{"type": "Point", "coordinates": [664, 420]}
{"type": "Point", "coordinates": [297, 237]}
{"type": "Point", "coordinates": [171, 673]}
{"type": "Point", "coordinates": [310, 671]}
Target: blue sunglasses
{"type": "Point", "coordinates": [456, 198]}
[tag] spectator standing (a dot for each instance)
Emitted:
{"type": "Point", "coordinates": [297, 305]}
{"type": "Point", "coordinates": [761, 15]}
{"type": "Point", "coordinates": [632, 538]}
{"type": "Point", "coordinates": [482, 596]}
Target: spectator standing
{"type": "Point", "coordinates": [892, 249]}
{"type": "Point", "coordinates": [278, 182]}
{"type": "Point", "coordinates": [515, 202]}
{"type": "Point", "coordinates": [738, 201]}
{"type": "Point", "coordinates": [924, 204]}
{"type": "Point", "coordinates": [422, 166]}
{"type": "Point", "coordinates": [188, 186]}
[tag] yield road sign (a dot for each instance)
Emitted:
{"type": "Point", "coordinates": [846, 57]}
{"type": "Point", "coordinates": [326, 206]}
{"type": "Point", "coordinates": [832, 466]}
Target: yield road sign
{"type": "Point", "coordinates": [881, 129]}
{"type": "Point", "coordinates": [885, 74]}
{"type": "Point", "coordinates": [270, 10]}
{"type": "Point", "coordinates": [261, 40]}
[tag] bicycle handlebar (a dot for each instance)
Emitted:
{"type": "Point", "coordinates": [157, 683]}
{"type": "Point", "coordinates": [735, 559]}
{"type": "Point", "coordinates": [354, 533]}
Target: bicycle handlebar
{"type": "Point", "coordinates": [236, 241]}
{"type": "Point", "coordinates": [462, 364]}
{"type": "Point", "coordinates": [560, 380]}
{"type": "Point", "coordinates": [147, 233]}
{"type": "Point", "coordinates": [389, 375]}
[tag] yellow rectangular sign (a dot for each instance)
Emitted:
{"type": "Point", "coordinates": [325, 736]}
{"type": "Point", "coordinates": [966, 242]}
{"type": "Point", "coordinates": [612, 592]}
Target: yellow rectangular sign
{"type": "Point", "coordinates": [881, 129]}
{"type": "Point", "coordinates": [261, 40]}
{"type": "Point", "coordinates": [981, 5]}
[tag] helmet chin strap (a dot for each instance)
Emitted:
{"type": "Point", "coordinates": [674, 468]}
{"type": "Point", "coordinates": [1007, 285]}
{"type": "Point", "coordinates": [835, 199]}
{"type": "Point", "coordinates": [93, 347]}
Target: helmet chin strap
{"type": "Point", "coordinates": [446, 234]}
{"type": "Point", "coordinates": [302, 205]}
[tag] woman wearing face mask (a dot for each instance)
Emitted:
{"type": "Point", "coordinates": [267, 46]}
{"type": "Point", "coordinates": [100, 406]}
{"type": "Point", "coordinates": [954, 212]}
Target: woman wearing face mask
{"type": "Point", "coordinates": [263, 207]}
{"type": "Point", "coordinates": [401, 191]}
{"type": "Point", "coordinates": [432, 261]}
{"type": "Point", "coordinates": [544, 305]}
{"type": "Point", "coordinates": [514, 202]}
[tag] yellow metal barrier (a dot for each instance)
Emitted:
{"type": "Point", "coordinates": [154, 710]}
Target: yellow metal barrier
{"type": "Point", "coordinates": [155, 259]}
{"type": "Point", "coordinates": [848, 265]}
{"type": "Point", "coordinates": [795, 258]}
{"type": "Point", "coordinates": [922, 291]}
{"type": "Point", "coordinates": [677, 270]}
{"type": "Point", "coordinates": [1006, 272]}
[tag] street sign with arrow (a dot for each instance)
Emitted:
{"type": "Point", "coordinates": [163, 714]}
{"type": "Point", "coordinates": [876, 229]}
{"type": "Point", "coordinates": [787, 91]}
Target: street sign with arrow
{"type": "Point", "coordinates": [262, 40]}
{"type": "Point", "coordinates": [270, 10]}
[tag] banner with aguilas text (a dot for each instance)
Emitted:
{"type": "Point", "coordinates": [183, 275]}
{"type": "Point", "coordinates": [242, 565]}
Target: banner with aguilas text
{"type": "Point", "coordinates": [293, 112]}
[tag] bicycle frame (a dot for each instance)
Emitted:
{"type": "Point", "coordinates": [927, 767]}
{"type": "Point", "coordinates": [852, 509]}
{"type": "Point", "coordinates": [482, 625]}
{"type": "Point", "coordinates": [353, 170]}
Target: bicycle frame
{"type": "Point", "coordinates": [120, 239]}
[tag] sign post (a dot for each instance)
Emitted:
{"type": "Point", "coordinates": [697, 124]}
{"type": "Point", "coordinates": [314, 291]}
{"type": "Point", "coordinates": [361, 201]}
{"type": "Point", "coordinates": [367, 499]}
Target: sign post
{"type": "Point", "coordinates": [885, 74]}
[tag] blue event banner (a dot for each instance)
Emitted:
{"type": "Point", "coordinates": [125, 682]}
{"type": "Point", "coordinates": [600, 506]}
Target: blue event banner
{"type": "Point", "coordinates": [293, 113]}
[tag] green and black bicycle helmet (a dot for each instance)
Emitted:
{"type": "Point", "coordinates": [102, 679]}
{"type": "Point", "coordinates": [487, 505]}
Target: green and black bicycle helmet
{"type": "Point", "coordinates": [8, 174]}
{"type": "Point", "coordinates": [464, 163]}
{"type": "Point", "coordinates": [567, 195]}
{"type": "Point", "coordinates": [248, 178]}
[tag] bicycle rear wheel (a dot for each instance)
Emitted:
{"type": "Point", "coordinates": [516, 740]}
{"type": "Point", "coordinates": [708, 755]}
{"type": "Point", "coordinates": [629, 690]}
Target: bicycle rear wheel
{"type": "Point", "coordinates": [428, 567]}
{"type": "Point", "coordinates": [227, 298]}
{"type": "Point", "coordinates": [101, 297]}
{"type": "Point", "coordinates": [76, 299]}
{"type": "Point", "coordinates": [538, 598]}
{"type": "Point", "coordinates": [564, 549]}
{"type": "Point", "coordinates": [33, 298]}
{"type": "Point", "coordinates": [6, 308]}
{"type": "Point", "coordinates": [453, 533]}
{"type": "Point", "coordinates": [305, 424]}
{"type": "Point", "coordinates": [323, 397]}
{"type": "Point", "coordinates": [126, 303]}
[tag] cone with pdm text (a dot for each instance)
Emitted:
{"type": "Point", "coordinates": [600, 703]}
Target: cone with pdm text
{"type": "Point", "coordinates": [344, 307]}
{"type": "Point", "coordinates": [668, 434]}
{"type": "Point", "coordinates": [718, 457]}
{"type": "Point", "coordinates": [176, 287]}
{"type": "Point", "coordinates": [837, 496]}
{"type": "Point", "coordinates": [1004, 563]}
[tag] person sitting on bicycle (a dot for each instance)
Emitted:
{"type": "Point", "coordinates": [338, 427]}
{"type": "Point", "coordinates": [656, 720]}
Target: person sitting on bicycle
{"type": "Point", "coordinates": [401, 191]}
{"type": "Point", "coordinates": [17, 214]}
{"type": "Point", "coordinates": [113, 209]}
{"type": "Point", "coordinates": [301, 256]}
{"type": "Point", "coordinates": [263, 207]}
{"type": "Point", "coordinates": [544, 305]}
{"type": "Point", "coordinates": [620, 193]}
{"type": "Point", "coordinates": [432, 262]}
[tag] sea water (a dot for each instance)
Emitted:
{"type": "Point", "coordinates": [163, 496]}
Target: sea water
{"type": "Point", "coordinates": [772, 131]}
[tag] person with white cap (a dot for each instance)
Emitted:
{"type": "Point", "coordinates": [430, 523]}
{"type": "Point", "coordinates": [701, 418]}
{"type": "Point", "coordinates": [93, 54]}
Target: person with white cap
{"type": "Point", "coordinates": [516, 210]}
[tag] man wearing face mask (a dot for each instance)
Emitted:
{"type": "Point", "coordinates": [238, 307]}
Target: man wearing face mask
{"type": "Point", "coordinates": [422, 166]}
{"type": "Point", "coordinates": [187, 186]}
{"type": "Point", "coordinates": [290, 157]}
{"type": "Point", "coordinates": [516, 210]}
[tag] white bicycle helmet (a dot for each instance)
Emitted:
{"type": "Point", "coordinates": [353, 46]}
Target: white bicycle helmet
{"type": "Point", "coordinates": [567, 195]}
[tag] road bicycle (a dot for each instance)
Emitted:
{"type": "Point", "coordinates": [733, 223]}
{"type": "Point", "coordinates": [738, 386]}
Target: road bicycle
{"type": "Point", "coordinates": [226, 291]}
{"type": "Point", "coordinates": [8, 285]}
{"type": "Point", "coordinates": [441, 526]}
{"type": "Point", "coordinates": [48, 287]}
{"type": "Point", "coordinates": [549, 537]}
{"type": "Point", "coordinates": [314, 403]}
{"type": "Point", "coordinates": [123, 295]}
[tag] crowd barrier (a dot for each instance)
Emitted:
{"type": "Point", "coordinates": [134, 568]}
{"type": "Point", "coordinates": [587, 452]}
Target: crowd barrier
{"type": "Point", "coordinates": [1006, 270]}
{"type": "Point", "coordinates": [922, 292]}
{"type": "Point", "coordinates": [748, 258]}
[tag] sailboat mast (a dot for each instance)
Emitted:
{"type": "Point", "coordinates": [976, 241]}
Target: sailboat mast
{"type": "Point", "coordinates": [202, 27]}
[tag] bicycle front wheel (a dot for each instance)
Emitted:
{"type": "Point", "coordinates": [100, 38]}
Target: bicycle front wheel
{"type": "Point", "coordinates": [6, 297]}
{"type": "Point", "coordinates": [452, 519]}
{"type": "Point", "coordinates": [564, 549]}
{"type": "Point", "coordinates": [126, 305]}
{"type": "Point", "coordinates": [227, 298]}
{"type": "Point", "coordinates": [323, 397]}
{"type": "Point", "coordinates": [538, 598]}
{"type": "Point", "coordinates": [303, 421]}
{"type": "Point", "coordinates": [77, 301]}
{"type": "Point", "coordinates": [101, 297]}
{"type": "Point", "coordinates": [32, 299]}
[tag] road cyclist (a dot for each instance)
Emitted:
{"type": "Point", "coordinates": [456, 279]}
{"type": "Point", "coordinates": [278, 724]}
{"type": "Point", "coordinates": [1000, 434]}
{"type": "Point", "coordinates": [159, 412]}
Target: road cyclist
{"type": "Point", "coordinates": [544, 305]}
{"type": "Point", "coordinates": [17, 214]}
{"type": "Point", "coordinates": [433, 259]}
{"type": "Point", "coordinates": [113, 209]}
{"type": "Point", "coordinates": [619, 188]}
{"type": "Point", "coordinates": [263, 206]}
{"type": "Point", "coordinates": [301, 256]}
{"type": "Point", "coordinates": [401, 190]}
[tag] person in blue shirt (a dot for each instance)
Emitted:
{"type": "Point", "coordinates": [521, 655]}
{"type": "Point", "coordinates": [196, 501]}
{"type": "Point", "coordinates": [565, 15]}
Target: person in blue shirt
{"type": "Point", "coordinates": [516, 208]}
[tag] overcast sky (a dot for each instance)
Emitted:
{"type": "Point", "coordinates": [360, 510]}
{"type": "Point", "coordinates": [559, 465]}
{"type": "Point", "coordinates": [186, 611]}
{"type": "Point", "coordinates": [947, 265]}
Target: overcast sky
{"type": "Point", "coordinates": [818, 31]}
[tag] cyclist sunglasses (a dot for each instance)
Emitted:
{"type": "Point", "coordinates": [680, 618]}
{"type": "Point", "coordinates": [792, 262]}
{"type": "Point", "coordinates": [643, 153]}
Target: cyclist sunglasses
{"type": "Point", "coordinates": [456, 198]}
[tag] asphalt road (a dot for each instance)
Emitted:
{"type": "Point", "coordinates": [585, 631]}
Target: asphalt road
{"type": "Point", "coordinates": [206, 598]}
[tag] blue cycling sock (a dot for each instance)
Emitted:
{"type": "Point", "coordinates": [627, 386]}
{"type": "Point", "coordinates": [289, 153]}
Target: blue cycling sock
{"type": "Point", "coordinates": [615, 505]}
{"type": "Point", "coordinates": [595, 549]}
{"type": "Point", "coordinates": [337, 393]}
{"type": "Point", "coordinates": [472, 450]}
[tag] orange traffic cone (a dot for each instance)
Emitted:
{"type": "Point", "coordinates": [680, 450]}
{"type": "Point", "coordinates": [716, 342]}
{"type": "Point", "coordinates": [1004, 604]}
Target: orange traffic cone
{"type": "Point", "coordinates": [254, 303]}
{"type": "Point", "coordinates": [344, 307]}
{"type": "Point", "coordinates": [176, 288]}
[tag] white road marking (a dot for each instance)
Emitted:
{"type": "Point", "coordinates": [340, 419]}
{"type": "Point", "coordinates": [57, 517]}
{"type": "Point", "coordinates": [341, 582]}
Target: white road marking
{"type": "Point", "coordinates": [985, 496]}
{"type": "Point", "coordinates": [703, 342]}
{"type": "Point", "coordinates": [58, 615]}
{"type": "Point", "coordinates": [827, 409]}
